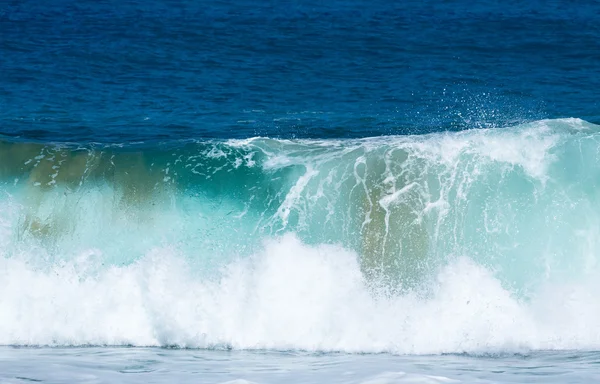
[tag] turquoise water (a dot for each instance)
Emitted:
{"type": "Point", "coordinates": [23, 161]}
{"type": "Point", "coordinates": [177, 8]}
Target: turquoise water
{"type": "Point", "coordinates": [364, 192]}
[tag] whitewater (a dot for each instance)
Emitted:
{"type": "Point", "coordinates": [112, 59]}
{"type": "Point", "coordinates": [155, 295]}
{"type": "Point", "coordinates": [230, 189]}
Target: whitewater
{"type": "Point", "coordinates": [481, 241]}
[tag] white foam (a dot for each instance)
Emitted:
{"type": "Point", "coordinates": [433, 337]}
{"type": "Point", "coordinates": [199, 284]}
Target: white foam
{"type": "Point", "coordinates": [528, 147]}
{"type": "Point", "coordinates": [289, 296]}
{"type": "Point", "coordinates": [294, 194]}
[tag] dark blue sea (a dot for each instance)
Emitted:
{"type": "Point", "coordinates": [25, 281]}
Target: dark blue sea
{"type": "Point", "coordinates": [261, 192]}
{"type": "Point", "coordinates": [120, 71]}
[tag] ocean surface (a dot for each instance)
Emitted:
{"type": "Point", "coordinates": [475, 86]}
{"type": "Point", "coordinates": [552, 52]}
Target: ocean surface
{"type": "Point", "coordinates": [299, 192]}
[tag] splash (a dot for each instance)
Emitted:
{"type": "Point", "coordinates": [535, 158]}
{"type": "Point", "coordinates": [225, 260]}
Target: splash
{"type": "Point", "coordinates": [288, 296]}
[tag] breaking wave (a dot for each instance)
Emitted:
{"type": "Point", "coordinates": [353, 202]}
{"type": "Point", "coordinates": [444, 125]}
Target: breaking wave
{"type": "Point", "coordinates": [473, 241]}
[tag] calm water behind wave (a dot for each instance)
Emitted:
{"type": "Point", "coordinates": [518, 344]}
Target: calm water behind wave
{"type": "Point", "coordinates": [131, 70]}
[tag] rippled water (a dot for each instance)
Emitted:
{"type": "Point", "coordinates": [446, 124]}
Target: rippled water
{"type": "Point", "coordinates": [154, 365]}
{"type": "Point", "coordinates": [130, 70]}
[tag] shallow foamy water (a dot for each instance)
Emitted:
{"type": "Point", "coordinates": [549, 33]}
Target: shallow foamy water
{"type": "Point", "coordinates": [156, 365]}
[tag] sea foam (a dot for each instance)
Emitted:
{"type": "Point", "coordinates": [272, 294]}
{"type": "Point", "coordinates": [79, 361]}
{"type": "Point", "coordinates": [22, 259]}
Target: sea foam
{"type": "Point", "coordinates": [288, 296]}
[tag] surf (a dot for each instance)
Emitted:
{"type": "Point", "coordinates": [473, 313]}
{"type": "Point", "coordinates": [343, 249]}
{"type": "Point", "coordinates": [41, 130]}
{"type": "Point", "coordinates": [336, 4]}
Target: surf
{"type": "Point", "coordinates": [447, 242]}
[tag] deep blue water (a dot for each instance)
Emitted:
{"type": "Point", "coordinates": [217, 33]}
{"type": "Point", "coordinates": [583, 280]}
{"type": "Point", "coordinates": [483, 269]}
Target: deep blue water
{"type": "Point", "coordinates": [116, 71]}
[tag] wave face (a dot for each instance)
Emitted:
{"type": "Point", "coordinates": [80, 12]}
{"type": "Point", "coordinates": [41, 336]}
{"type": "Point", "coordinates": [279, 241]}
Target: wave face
{"type": "Point", "coordinates": [476, 241]}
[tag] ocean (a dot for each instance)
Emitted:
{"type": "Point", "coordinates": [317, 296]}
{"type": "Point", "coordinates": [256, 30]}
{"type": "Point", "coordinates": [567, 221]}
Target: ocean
{"type": "Point", "coordinates": [299, 192]}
